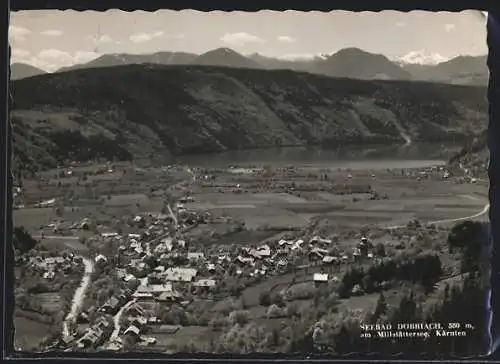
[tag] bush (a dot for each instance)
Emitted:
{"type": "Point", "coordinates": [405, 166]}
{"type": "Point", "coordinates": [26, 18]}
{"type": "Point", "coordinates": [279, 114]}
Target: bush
{"type": "Point", "coordinates": [291, 310]}
{"type": "Point", "coordinates": [239, 317]}
{"type": "Point", "coordinates": [332, 301]}
{"type": "Point", "coordinates": [265, 299]}
{"type": "Point", "coordinates": [277, 299]}
{"type": "Point", "coordinates": [274, 311]}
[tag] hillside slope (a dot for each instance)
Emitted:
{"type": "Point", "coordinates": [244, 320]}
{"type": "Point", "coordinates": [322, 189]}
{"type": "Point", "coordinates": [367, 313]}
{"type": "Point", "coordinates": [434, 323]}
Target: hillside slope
{"type": "Point", "coordinates": [461, 70]}
{"type": "Point", "coordinates": [149, 110]}
{"type": "Point", "coordinates": [475, 153]}
{"type": "Point", "coordinates": [225, 57]}
{"type": "Point", "coordinates": [348, 62]}
{"type": "Point", "coordinates": [112, 60]}
{"type": "Point", "coordinates": [21, 70]}
{"type": "Point", "coordinates": [356, 63]}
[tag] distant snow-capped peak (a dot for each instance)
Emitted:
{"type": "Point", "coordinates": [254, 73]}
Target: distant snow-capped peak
{"type": "Point", "coordinates": [303, 57]}
{"type": "Point", "coordinates": [420, 57]}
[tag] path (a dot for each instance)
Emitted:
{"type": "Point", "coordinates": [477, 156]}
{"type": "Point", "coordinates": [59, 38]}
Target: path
{"type": "Point", "coordinates": [193, 180]}
{"type": "Point", "coordinates": [479, 214]}
{"type": "Point", "coordinates": [445, 221]}
{"type": "Point", "coordinates": [176, 222]}
{"type": "Point", "coordinates": [56, 237]}
{"type": "Point", "coordinates": [117, 319]}
{"type": "Point", "coordinates": [78, 297]}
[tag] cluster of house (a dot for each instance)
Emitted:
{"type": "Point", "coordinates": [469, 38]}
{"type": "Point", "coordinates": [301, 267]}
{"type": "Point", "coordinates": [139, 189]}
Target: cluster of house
{"type": "Point", "coordinates": [95, 335]}
{"type": "Point", "coordinates": [48, 266]}
{"type": "Point", "coordinates": [171, 277]}
{"type": "Point", "coordinates": [136, 323]}
{"type": "Point", "coordinates": [136, 249]}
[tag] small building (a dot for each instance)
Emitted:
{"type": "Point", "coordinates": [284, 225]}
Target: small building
{"type": "Point", "coordinates": [195, 256]}
{"type": "Point", "coordinates": [297, 245]}
{"type": "Point", "coordinates": [172, 296]}
{"type": "Point", "coordinates": [244, 261]}
{"type": "Point", "coordinates": [49, 275]}
{"type": "Point", "coordinates": [135, 310]}
{"type": "Point", "coordinates": [111, 306]}
{"type": "Point", "coordinates": [101, 258]}
{"type": "Point", "coordinates": [180, 274]}
{"type": "Point", "coordinates": [133, 331]}
{"type": "Point", "coordinates": [152, 290]}
{"type": "Point", "coordinates": [329, 259]}
{"type": "Point", "coordinates": [320, 278]}
{"type": "Point", "coordinates": [264, 250]}
{"type": "Point", "coordinates": [204, 284]}
{"type": "Point", "coordinates": [129, 278]}
{"type": "Point", "coordinates": [109, 235]}
{"type": "Point", "coordinates": [317, 254]}
{"type": "Point", "coordinates": [318, 240]}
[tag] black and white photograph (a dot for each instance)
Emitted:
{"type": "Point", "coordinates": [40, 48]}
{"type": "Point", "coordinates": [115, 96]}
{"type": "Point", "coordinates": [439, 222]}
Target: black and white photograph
{"type": "Point", "coordinates": [249, 182]}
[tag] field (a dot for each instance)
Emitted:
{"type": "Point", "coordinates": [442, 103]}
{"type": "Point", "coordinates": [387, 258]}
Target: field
{"type": "Point", "coordinates": [28, 333]}
{"type": "Point", "coordinates": [247, 208]}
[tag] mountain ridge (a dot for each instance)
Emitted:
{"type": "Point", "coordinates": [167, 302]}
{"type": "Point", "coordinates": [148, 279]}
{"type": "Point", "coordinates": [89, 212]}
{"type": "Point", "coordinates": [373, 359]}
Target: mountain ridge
{"type": "Point", "coordinates": [348, 62]}
{"type": "Point", "coordinates": [22, 70]}
{"type": "Point", "coordinates": [134, 111]}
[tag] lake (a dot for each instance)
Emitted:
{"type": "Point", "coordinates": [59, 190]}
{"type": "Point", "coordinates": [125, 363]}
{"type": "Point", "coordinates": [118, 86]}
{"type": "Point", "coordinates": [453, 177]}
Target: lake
{"type": "Point", "coordinates": [416, 155]}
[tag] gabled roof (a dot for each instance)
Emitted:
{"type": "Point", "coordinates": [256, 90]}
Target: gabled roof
{"type": "Point", "coordinates": [205, 283]}
{"type": "Point", "coordinates": [132, 329]}
{"type": "Point", "coordinates": [319, 277]}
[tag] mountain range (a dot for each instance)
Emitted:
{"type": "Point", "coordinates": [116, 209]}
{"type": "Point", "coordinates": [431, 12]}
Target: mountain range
{"type": "Point", "coordinates": [151, 110]}
{"type": "Point", "coordinates": [348, 62]}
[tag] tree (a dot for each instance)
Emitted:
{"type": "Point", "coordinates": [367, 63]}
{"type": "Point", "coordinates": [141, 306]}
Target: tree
{"type": "Point", "coordinates": [463, 234]}
{"type": "Point", "coordinates": [380, 250]}
{"type": "Point", "coordinates": [22, 240]}
{"type": "Point", "coordinates": [277, 299]}
{"type": "Point", "coordinates": [469, 237]}
{"type": "Point", "coordinates": [381, 306]}
{"type": "Point", "coordinates": [265, 299]}
{"type": "Point", "coordinates": [239, 317]}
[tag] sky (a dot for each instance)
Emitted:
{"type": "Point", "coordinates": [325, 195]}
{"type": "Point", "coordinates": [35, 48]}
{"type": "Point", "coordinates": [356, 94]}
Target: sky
{"type": "Point", "coordinates": [50, 39]}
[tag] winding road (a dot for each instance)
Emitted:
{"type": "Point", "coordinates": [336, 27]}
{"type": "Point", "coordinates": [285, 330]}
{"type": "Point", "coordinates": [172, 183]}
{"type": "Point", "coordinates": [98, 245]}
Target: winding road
{"type": "Point", "coordinates": [80, 292]}
{"type": "Point", "coordinates": [176, 222]}
{"type": "Point", "coordinates": [79, 297]}
{"type": "Point", "coordinates": [446, 221]}
{"type": "Point", "coordinates": [117, 319]}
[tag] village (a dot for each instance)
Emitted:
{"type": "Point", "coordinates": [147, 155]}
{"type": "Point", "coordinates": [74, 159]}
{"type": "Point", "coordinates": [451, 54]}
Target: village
{"type": "Point", "coordinates": [159, 268]}
{"type": "Point", "coordinates": [151, 277]}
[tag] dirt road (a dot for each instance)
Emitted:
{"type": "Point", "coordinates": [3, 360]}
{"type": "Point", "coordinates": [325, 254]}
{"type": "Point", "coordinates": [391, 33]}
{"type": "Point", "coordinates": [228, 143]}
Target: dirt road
{"type": "Point", "coordinates": [79, 297]}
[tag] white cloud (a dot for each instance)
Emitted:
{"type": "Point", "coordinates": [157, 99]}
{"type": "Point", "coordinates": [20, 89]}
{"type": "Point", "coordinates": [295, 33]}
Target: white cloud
{"type": "Point", "coordinates": [302, 56]}
{"type": "Point", "coordinates": [18, 54]}
{"type": "Point", "coordinates": [145, 37]}
{"type": "Point", "coordinates": [105, 39]}
{"type": "Point", "coordinates": [18, 33]}
{"type": "Point", "coordinates": [400, 24]}
{"type": "Point", "coordinates": [449, 27]}
{"type": "Point", "coordinates": [55, 55]}
{"type": "Point", "coordinates": [84, 57]}
{"type": "Point", "coordinates": [100, 39]}
{"type": "Point", "coordinates": [285, 39]}
{"type": "Point", "coordinates": [52, 33]}
{"type": "Point", "coordinates": [52, 59]}
{"type": "Point", "coordinates": [240, 39]}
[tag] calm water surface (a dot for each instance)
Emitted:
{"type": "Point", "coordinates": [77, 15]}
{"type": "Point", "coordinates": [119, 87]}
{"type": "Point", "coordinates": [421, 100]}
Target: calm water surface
{"type": "Point", "coordinates": [353, 157]}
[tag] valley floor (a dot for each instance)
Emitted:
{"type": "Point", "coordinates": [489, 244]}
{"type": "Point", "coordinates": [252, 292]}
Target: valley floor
{"type": "Point", "coordinates": [184, 255]}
